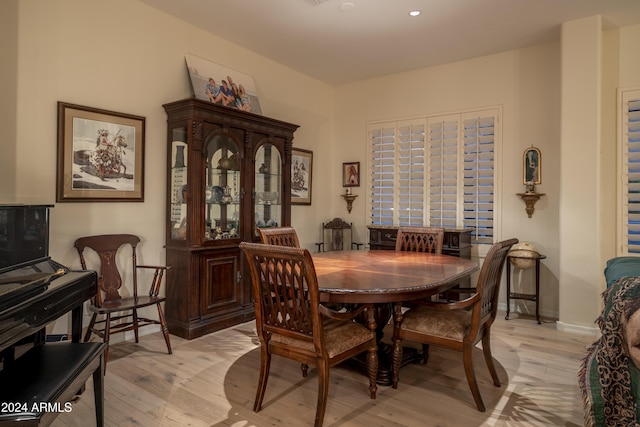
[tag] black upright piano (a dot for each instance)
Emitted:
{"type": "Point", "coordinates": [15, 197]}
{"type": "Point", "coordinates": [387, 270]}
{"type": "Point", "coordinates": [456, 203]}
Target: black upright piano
{"type": "Point", "coordinates": [37, 378]}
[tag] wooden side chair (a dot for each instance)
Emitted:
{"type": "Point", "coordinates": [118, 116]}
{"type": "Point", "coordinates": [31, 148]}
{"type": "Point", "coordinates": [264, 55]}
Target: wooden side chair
{"type": "Point", "coordinates": [336, 228]}
{"type": "Point", "coordinates": [457, 325]}
{"type": "Point", "coordinates": [292, 323]}
{"type": "Point", "coordinates": [120, 314]}
{"type": "Point", "coordinates": [281, 236]}
{"type": "Point", "coordinates": [420, 239]}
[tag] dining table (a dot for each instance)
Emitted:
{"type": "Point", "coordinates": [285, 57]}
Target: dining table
{"type": "Point", "coordinates": [382, 278]}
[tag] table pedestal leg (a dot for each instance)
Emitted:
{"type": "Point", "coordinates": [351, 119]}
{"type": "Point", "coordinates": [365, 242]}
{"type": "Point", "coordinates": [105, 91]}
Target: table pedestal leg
{"type": "Point", "coordinates": [385, 351]}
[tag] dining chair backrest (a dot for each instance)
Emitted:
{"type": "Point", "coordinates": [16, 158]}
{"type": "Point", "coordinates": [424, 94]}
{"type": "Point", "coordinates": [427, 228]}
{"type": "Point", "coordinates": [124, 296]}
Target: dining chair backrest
{"type": "Point", "coordinates": [333, 236]}
{"type": "Point", "coordinates": [107, 247]}
{"type": "Point", "coordinates": [281, 236]}
{"type": "Point", "coordinates": [488, 285]}
{"type": "Point", "coordinates": [420, 239]}
{"type": "Point", "coordinates": [285, 292]}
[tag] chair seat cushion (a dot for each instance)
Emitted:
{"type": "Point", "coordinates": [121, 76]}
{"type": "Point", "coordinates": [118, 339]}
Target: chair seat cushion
{"type": "Point", "coordinates": [126, 304]}
{"type": "Point", "coordinates": [451, 324]}
{"type": "Point", "coordinates": [339, 336]}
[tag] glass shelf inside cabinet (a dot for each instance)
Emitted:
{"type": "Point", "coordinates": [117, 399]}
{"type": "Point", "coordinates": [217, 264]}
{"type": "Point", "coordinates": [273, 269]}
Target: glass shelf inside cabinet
{"type": "Point", "coordinates": [179, 187]}
{"type": "Point", "coordinates": [268, 187]}
{"type": "Point", "coordinates": [222, 189]}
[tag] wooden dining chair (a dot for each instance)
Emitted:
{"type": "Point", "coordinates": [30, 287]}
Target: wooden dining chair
{"type": "Point", "coordinates": [292, 323]}
{"type": "Point", "coordinates": [336, 230]}
{"type": "Point", "coordinates": [120, 313]}
{"type": "Point", "coordinates": [281, 236]}
{"type": "Point", "coordinates": [420, 239]}
{"type": "Point", "coordinates": [458, 325]}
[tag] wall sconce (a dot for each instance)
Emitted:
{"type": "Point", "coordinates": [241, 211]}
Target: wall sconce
{"type": "Point", "coordinates": [530, 197]}
{"type": "Point", "coordinates": [349, 198]}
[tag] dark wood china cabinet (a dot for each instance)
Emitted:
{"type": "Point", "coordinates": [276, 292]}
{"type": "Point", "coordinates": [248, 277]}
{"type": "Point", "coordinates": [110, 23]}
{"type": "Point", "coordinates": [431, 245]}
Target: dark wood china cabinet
{"type": "Point", "coordinates": [229, 172]}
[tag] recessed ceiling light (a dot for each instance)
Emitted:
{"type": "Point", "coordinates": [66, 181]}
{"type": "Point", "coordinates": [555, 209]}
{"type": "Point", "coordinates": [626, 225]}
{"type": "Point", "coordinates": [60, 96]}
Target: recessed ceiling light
{"type": "Point", "coordinates": [414, 13]}
{"type": "Point", "coordinates": [347, 6]}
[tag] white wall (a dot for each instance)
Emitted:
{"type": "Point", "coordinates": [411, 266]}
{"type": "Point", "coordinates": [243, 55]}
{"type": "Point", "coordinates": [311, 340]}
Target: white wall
{"type": "Point", "coordinates": [8, 70]}
{"type": "Point", "coordinates": [580, 244]}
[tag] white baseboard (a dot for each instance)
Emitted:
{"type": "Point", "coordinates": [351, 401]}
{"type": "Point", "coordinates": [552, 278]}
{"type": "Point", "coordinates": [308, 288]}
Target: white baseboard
{"type": "Point", "coordinates": [578, 329]}
{"type": "Point", "coordinates": [593, 331]}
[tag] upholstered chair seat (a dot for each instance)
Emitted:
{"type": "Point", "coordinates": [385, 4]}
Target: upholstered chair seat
{"type": "Point", "coordinates": [451, 324]}
{"type": "Point", "coordinates": [339, 336]}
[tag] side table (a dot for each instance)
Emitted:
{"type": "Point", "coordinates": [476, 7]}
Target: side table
{"type": "Point", "coordinates": [531, 297]}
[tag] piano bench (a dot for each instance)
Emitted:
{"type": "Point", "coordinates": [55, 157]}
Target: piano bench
{"type": "Point", "coordinates": [37, 386]}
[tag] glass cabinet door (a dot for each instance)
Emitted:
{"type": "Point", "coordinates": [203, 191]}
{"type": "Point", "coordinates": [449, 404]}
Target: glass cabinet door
{"type": "Point", "coordinates": [222, 189]}
{"type": "Point", "coordinates": [178, 209]}
{"type": "Point", "coordinates": [268, 186]}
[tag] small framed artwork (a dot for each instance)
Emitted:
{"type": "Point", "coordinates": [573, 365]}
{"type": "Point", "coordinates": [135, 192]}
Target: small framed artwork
{"type": "Point", "coordinates": [301, 168]}
{"type": "Point", "coordinates": [532, 166]}
{"type": "Point", "coordinates": [351, 174]}
{"type": "Point", "coordinates": [100, 155]}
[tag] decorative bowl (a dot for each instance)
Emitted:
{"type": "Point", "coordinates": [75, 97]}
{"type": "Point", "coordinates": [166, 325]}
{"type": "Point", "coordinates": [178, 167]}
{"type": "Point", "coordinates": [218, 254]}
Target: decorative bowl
{"type": "Point", "coordinates": [268, 197]}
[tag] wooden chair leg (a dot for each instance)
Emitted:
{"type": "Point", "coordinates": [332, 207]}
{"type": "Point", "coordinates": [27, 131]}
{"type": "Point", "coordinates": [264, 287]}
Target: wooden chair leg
{"type": "Point", "coordinates": [92, 323]}
{"type": "Point", "coordinates": [135, 323]}
{"type": "Point", "coordinates": [372, 370]}
{"type": "Point", "coordinates": [165, 329]}
{"type": "Point", "coordinates": [486, 349]}
{"type": "Point", "coordinates": [265, 363]}
{"type": "Point", "coordinates": [323, 391]}
{"type": "Point", "coordinates": [106, 333]}
{"type": "Point", "coordinates": [396, 358]}
{"type": "Point", "coordinates": [471, 377]}
{"type": "Point", "coordinates": [425, 353]}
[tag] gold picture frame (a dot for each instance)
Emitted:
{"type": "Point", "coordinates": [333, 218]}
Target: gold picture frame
{"type": "Point", "coordinates": [532, 166]}
{"type": "Point", "coordinates": [100, 155]}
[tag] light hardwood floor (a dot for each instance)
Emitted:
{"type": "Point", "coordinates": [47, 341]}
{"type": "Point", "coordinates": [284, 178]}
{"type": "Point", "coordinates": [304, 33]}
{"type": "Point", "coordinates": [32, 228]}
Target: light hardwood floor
{"type": "Point", "coordinates": [211, 381]}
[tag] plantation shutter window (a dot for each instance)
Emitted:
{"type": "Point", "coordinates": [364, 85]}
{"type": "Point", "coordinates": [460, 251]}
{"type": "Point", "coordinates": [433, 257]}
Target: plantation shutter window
{"type": "Point", "coordinates": [630, 188]}
{"type": "Point", "coordinates": [435, 171]}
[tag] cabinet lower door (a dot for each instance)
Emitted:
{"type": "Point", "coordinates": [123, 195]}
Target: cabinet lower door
{"type": "Point", "coordinates": [221, 293]}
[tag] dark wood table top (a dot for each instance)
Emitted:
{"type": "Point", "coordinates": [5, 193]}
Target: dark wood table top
{"type": "Point", "coordinates": [386, 276]}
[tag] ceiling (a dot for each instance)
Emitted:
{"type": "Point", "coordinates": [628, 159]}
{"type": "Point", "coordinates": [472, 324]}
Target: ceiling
{"type": "Point", "coordinates": [340, 41]}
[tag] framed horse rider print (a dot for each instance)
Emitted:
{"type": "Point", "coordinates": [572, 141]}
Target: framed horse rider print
{"type": "Point", "coordinates": [100, 155]}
